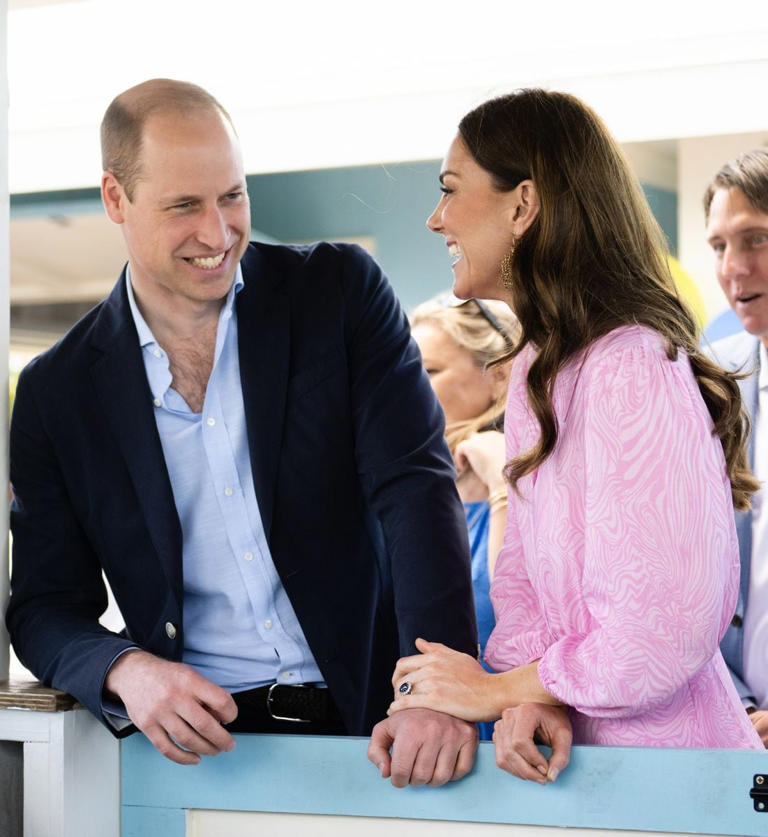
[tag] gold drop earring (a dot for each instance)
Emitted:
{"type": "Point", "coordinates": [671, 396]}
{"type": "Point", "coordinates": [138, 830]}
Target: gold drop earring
{"type": "Point", "coordinates": [506, 267]}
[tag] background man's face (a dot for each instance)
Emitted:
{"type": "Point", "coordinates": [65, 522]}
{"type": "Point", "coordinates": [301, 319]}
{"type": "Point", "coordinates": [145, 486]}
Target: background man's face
{"type": "Point", "coordinates": [738, 234]}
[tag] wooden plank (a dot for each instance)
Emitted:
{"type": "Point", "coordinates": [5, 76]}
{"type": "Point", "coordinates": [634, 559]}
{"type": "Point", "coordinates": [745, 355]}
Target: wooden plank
{"type": "Point", "coordinates": [17, 693]}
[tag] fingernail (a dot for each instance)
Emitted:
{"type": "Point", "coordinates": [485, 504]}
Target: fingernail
{"type": "Point", "coordinates": [542, 770]}
{"type": "Point", "coordinates": [553, 774]}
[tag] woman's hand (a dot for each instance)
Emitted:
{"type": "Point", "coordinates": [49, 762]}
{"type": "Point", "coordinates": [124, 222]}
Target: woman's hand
{"type": "Point", "coordinates": [514, 738]}
{"type": "Point", "coordinates": [444, 680]}
{"type": "Point", "coordinates": [484, 454]}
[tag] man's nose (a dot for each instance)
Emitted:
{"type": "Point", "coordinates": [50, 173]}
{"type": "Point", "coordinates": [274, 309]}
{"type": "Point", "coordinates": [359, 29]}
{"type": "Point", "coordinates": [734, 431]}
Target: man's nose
{"type": "Point", "coordinates": [735, 263]}
{"type": "Point", "coordinates": [212, 230]}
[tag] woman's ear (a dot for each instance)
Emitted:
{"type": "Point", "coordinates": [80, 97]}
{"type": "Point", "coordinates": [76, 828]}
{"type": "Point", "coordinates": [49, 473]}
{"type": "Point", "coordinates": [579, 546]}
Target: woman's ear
{"type": "Point", "coordinates": [499, 375]}
{"type": "Point", "coordinates": [524, 207]}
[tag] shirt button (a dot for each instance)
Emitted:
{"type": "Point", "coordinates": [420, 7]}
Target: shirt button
{"type": "Point", "coordinates": [210, 422]}
{"type": "Point", "coordinates": [248, 556]}
{"type": "Point", "coordinates": [736, 621]}
{"type": "Point", "coordinates": [157, 353]}
{"type": "Point", "coordinates": [170, 630]}
{"type": "Point", "coordinates": [228, 491]}
{"type": "Point", "coordinates": [286, 675]}
{"type": "Point", "coordinates": [157, 402]}
{"type": "Point", "coordinates": [267, 623]}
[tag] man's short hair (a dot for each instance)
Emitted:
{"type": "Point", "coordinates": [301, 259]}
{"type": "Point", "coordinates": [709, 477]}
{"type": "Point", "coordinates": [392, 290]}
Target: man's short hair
{"type": "Point", "coordinates": [749, 173]}
{"type": "Point", "coordinates": [123, 124]}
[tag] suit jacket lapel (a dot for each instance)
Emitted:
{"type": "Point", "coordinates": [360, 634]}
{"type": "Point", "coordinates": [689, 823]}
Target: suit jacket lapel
{"type": "Point", "coordinates": [263, 329]}
{"type": "Point", "coordinates": [121, 386]}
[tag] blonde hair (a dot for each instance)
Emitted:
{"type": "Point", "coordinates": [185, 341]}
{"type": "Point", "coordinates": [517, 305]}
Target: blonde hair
{"type": "Point", "coordinates": [471, 329]}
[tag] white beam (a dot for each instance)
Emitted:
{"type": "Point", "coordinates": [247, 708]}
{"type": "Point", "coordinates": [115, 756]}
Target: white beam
{"type": "Point", "coordinates": [4, 332]}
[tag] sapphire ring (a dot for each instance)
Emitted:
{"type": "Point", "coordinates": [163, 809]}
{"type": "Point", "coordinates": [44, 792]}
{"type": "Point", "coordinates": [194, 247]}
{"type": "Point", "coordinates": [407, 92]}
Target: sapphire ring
{"type": "Point", "coordinates": [405, 688]}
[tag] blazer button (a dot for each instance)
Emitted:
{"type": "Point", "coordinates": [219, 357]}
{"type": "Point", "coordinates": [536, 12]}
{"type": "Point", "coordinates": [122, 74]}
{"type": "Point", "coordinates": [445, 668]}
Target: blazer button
{"type": "Point", "coordinates": [170, 629]}
{"type": "Point", "coordinates": [737, 621]}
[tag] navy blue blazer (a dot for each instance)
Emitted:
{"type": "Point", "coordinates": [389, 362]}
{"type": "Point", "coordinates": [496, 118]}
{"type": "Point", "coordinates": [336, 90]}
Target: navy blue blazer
{"type": "Point", "coordinates": [353, 478]}
{"type": "Point", "coordinates": [740, 353]}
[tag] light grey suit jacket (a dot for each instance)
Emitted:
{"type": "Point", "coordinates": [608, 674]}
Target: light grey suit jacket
{"type": "Point", "coordinates": [740, 353]}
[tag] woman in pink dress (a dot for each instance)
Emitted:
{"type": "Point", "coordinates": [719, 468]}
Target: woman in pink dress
{"type": "Point", "coordinates": [620, 566]}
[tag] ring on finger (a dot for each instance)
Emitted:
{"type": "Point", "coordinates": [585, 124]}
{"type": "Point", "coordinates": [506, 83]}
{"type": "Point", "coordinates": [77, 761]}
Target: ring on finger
{"type": "Point", "coordinates": [405, 688]}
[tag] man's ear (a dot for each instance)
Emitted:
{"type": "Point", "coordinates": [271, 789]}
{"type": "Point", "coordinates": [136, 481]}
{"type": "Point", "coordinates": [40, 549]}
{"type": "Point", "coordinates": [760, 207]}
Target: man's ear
{"type": "Point", "coordinates": [524, 207]}
{"type": "Point", "coordinates": [113, 197]}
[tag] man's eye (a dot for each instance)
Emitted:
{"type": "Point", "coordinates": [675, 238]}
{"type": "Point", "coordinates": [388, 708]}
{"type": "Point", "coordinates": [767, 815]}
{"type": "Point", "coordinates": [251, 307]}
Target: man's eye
{"type": "Point", "coordinates": [718, 248]}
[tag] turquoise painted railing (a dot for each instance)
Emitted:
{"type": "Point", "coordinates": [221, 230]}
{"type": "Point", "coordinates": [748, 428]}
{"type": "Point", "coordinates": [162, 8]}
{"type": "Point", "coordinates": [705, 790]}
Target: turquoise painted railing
{"type": "Point", "coordinates": [685, 791]}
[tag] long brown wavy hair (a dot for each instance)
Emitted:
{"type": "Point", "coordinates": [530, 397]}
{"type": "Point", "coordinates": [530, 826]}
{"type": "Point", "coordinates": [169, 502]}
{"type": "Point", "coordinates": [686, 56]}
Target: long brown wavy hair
{"type": "Point", "coordinates": [594, 259]}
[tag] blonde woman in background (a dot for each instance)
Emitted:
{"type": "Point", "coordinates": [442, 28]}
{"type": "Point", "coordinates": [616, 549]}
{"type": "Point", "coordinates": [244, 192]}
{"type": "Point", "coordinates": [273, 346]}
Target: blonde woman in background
{"type": "Point", "coordinates": [458, 342]}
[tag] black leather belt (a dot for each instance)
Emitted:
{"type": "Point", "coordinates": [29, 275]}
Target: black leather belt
{"type": "Point", "coordinates": [299, 704]}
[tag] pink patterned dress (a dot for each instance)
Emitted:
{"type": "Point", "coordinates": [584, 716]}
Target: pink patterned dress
{"type": "Point", "coordinates": [620, 563]}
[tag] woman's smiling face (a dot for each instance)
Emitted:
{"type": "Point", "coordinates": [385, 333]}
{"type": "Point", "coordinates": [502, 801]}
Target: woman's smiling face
{"type": "Point", "coordinates": [477, 222]}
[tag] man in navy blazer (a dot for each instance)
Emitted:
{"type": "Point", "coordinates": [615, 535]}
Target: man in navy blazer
{"type": "Point", "coordinates": [736, 207]}
{"type": "Point", "coordinates": [241, 438]}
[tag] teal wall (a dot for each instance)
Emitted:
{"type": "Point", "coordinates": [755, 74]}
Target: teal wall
{"type": "Point", "coordinates": [664, 207]}
{"type": "Point", "coordinates": [388, 203]}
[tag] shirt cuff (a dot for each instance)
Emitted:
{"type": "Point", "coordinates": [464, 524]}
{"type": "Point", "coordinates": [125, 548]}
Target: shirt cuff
{"type": "Point", "coordinates": [112, 709]}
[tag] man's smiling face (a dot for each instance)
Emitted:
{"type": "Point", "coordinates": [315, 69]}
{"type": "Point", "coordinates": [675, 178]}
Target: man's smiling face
{"type": "Point", "coordinates": [738, 235]}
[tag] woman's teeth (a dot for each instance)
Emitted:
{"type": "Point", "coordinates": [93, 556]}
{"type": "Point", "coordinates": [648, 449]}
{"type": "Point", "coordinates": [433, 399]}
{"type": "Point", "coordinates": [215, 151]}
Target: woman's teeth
{"type": "Point", "coordinates": [455, 252]}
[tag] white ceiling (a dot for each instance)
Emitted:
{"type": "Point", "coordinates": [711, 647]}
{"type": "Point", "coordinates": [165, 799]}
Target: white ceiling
{"type": "Point", "coordinates": [346, 82]}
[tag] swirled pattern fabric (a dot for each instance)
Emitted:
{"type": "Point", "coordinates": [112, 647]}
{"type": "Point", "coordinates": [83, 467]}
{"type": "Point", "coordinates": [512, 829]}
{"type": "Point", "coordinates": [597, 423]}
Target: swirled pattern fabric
{"type": "Point", "coordinates": [620, 564]}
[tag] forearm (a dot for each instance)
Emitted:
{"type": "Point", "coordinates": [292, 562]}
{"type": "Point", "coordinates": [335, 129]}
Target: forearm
{"type": "Point", "coordinates": [511, 688]}
{"type": "Point", "coordinates": [496, 525]}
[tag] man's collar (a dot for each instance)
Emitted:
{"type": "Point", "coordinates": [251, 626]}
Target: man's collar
{"type": "Point", "coordinates": [146, 337]}
{"type": "Point", "coordinates": [762, 380]}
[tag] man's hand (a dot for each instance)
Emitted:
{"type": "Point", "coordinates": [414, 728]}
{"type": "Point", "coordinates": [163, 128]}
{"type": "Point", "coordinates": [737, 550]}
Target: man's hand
{"type": "Point", "coordinates": [173, 705]}
{"type": "Point", "coordinates": [516, 751]}
{"type": "Point", "coordinates": [428, 748]}
{"type": "Point", "coordinates": [759, 718]}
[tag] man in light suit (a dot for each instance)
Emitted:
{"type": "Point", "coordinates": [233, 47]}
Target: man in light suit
{"type": "Point", "coordinates": [736, 208]}
{"type": "Point", "coordinates": [242, 439]}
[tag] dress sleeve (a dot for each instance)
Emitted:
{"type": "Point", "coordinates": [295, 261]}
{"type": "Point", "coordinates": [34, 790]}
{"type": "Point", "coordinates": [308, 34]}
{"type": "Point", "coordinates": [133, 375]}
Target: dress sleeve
{"type": "Point", "coordinates": [660, 569]}
{"type": "Point", "coordinates": [521, 634]}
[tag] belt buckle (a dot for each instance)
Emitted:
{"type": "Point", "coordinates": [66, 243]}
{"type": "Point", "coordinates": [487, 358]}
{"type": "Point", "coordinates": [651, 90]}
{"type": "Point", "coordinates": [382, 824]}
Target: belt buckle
{"type": "Point", "coordinates": [270, 698]}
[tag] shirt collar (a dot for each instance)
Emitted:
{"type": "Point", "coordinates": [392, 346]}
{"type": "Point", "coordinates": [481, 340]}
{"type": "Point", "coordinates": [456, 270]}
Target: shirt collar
{"type": "Point", "coordinates": [762, 380]}
{"type": "Point", "coordinates": [146, 338]}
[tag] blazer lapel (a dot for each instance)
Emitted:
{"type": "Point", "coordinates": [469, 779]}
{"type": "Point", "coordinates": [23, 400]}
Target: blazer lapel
{"type": "Point", "coordinates": [121, 386]}
{"type": "Point", "coordinates": [263, 329]}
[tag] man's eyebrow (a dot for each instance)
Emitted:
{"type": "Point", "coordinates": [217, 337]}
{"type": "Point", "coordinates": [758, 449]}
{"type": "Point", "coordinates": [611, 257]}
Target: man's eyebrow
{"type": "Point", "coordinates": [444, 174]}
{"type": "Point", "coordinates": [170, 199]}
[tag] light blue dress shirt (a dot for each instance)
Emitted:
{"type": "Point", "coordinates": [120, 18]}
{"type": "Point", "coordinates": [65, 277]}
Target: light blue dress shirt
{"type": "Point", "coordinates": [240, 630]}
